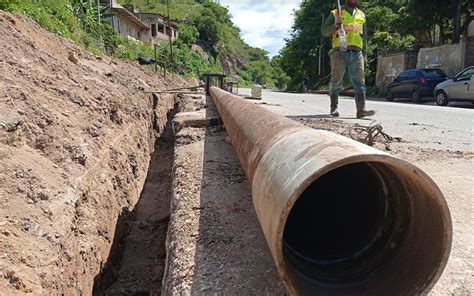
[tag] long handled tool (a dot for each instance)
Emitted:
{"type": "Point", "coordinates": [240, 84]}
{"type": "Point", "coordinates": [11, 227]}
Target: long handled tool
{"type": "Point", "coordinates": [341, 32]}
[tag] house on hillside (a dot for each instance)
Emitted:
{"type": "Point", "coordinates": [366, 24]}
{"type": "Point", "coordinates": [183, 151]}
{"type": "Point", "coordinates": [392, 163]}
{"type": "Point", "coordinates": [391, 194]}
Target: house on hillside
{"type": "Point", "coordinates": [160, 30]}
{"type": "Point", "coordinates": [127, 23]}
{"type": "Point", "coordinates": [147, 27]}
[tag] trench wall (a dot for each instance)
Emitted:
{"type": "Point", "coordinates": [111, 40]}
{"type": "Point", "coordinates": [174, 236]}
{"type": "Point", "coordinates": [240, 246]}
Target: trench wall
{"type": "Point", "coordinates": [74, 155]}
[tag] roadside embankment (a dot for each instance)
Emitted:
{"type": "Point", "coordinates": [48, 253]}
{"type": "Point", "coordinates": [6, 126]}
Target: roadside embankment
{"type": "Point", "coordinates": [76, 135]}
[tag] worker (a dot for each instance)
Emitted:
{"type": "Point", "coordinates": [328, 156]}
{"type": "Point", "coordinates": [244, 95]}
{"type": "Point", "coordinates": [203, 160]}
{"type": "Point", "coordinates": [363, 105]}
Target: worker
{"type": "Point", "coordinates": [353, 21]}
{"type": "Point", "coordinates": [306, 84]}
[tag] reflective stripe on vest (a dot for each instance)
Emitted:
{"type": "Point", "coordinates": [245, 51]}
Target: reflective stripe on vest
{"type": "Point", "coordinates": [354, 27]}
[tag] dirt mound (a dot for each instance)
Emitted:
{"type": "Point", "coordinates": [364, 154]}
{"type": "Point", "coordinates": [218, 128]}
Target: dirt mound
{"type": "Point", "coordinates": [76, 134]}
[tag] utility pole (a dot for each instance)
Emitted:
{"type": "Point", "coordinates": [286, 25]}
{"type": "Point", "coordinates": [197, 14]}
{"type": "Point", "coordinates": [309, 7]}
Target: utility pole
{"type": "Point", "coordinates": [170, 30]}
{"type": "Point", "coordinates": [98, 9]}
{"type": "Point", "coordinates": [101, 41]}
{"type": "Point", "coordinates": [112, 15]}
{"type": "Point", "coordinates": [320, 67]}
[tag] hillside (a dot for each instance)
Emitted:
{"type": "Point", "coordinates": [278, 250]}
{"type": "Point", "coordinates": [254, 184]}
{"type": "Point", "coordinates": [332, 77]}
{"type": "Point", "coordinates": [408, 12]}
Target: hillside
{"type": "Point", "coordinates": [76, 133]}
{"type": "Point", "coordinates": [219, 38]}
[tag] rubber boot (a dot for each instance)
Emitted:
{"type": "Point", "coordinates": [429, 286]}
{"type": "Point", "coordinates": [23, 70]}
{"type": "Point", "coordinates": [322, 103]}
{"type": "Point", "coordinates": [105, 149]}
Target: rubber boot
{"type": "Point", "coordinates": [334, 102]}
{"type": "Point", "coordinates": [360, 105]}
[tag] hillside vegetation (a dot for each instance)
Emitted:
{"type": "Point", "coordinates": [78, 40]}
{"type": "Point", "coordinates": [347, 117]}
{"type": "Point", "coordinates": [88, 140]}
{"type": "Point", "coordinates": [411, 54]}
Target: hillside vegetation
{"type": "Point", "coordinates": [78, 20]}
{"type": "Point", "coordinates": [208, 42]}
{"type": "Point", "coordinates": [210, 26]}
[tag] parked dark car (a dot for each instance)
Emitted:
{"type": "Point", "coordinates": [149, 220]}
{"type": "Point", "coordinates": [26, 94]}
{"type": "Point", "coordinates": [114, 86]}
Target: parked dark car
{"type": "Point", "coordinates": [415, 84]}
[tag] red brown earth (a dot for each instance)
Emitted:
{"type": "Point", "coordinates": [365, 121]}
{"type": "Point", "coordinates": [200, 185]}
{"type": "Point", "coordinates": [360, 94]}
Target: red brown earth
{"type": "Point", "coordinates": [76, 135]}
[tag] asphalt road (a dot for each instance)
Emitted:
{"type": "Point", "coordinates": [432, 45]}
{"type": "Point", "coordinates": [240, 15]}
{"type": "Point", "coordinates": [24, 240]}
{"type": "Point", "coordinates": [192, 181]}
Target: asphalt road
{"type": "Point", "coordinates": [428, 125]}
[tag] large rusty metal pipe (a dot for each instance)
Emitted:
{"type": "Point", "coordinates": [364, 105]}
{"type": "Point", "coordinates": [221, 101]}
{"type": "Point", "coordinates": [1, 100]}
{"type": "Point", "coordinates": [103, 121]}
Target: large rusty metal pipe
{"type": "Point", "coordinates": [340, 218]}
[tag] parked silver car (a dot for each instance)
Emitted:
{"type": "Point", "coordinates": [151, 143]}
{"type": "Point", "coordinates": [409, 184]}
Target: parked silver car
{"type": "Point", "coordinates": [459, 88]}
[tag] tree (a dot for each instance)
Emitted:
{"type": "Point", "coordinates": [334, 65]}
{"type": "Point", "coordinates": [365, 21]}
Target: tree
{"type": "Point", "coordinates": [188, 34]}
{"type": "Point", "coordinates": [299, 57]}
{"type": "Point", "coordinates": [208, 29]}
{"type": "Point", "coordinates": [446, 14]}
{"type": "Point", "coordinates": [461, 7]}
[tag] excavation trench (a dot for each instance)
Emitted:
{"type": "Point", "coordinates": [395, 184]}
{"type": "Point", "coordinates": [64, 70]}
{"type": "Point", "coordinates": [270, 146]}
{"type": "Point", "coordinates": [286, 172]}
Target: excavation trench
{"type": "Point", "coordinates": [136, 262]}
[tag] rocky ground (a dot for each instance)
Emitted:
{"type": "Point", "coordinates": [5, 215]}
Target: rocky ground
{"type": "Point", "coordinates": [76, 135]}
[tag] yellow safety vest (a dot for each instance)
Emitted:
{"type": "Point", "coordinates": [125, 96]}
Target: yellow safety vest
{"type": "Point", "coordinates": [354, 27]}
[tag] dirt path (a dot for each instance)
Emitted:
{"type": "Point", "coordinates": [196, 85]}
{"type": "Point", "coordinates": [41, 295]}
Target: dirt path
{"type": "Point", "coordinates": [215, 244]}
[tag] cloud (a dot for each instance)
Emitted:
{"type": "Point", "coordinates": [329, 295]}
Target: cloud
{"type": "Point", "coordinates": [265, 23]}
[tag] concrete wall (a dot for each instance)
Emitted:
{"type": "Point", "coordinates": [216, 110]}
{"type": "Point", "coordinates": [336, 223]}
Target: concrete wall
{"type": "Point", "coordinates": [152, 18]}
{"type": "Point", "coordinates": [159, 21]}
{"type": "Point", "coordinates": [450, 58]}
{"type": "Point", "coordinates": [130, 30]}
{"type": "Point", "coordinates": [160, 38]}
{"type": "Point", "coordinates": [470, 29]}
{"type": "Point", "coordinates": [469, 61]}
{"type": "Point", "coordinates": [388, 68]}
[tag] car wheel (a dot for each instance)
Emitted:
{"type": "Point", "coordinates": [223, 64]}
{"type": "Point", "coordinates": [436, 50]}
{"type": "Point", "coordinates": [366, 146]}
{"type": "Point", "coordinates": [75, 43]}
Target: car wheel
{"type": "Point", "coordinates": [441, 98]}
{"type": "Point", "coordinates": [389, 96]}
{"type": "Point", "coordinates": [416, 97]}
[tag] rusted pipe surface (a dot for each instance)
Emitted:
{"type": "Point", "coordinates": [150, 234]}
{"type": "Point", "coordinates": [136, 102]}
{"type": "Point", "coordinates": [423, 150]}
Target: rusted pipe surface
{"type": "Point", "coordinates": [340, 218]}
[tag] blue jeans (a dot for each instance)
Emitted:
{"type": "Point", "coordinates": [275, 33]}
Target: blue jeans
{"type": "Point", "coordinates": [354, 63]}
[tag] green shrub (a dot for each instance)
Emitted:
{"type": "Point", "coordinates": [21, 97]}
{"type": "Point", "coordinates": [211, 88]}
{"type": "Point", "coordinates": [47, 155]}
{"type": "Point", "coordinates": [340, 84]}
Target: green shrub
{"type": "Point", "coordinates": [131, 50]}
{"type": "Point", "coordinates": [65, 19]}
{"type": "Point", "coordinates": [52, 15]}
{"type": "Point", "coordinates": [208, 24]}
{"type": "Point", "coordinates": [188, 34]}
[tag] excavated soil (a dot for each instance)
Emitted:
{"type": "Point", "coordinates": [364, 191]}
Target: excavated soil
{"type": "Point", "coordinates": [76, 137]}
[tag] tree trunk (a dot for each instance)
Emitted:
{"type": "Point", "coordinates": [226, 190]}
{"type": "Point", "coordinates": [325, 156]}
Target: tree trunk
{"type": "Point", "coordinates": [457, 21]}
{"type": "Point", "coordinates": [441, 34]}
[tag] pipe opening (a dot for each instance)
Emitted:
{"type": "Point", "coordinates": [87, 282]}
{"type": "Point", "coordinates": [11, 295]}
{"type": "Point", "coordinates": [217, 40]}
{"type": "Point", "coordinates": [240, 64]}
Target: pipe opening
{"type": "Point", "coordinates": [355, 227]}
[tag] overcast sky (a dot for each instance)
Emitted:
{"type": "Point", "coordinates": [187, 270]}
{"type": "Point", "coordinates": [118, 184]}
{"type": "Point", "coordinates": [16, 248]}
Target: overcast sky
{"type": "Point", "coordinates": [263, 23]}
